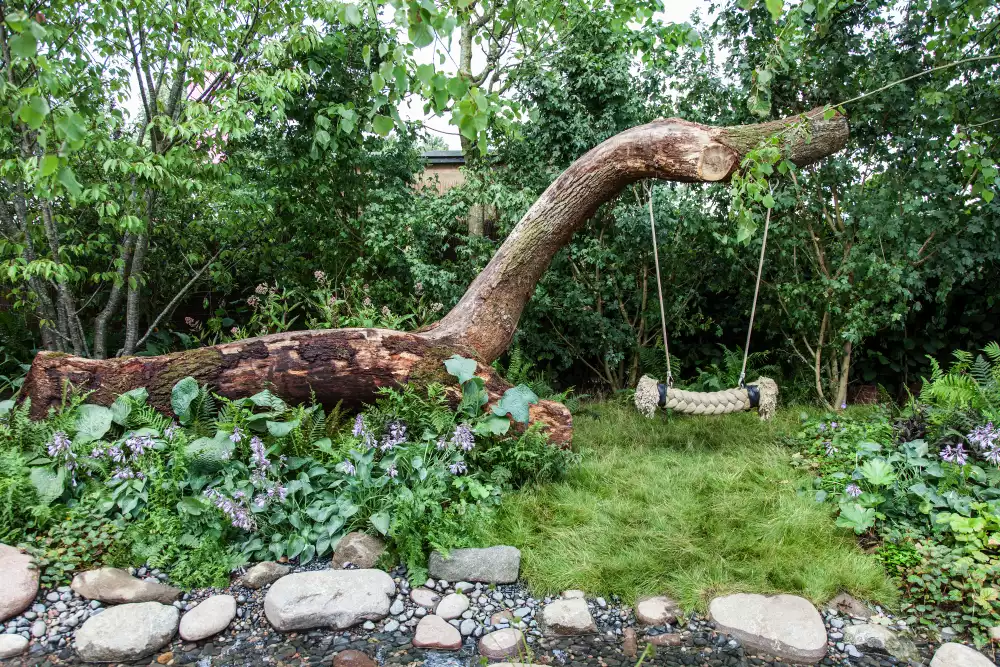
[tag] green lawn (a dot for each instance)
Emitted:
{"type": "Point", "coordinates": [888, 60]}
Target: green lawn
{"type": "Point", "coordinates": [688, 506]}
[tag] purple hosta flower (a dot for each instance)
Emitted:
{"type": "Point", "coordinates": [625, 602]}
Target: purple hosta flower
{"type": "Point", "coordinates": [458, 467]}
{"type": "Point", "coordinates": [366, 302]}
{"type": "Point", "coordinates": [116, 453]}
{"type": "Point", "coordinates": [239, 495]}
{"type": "Point", "coordinates": [956, 454]}
{"type": "Point", "coordinates": [992, 455]}
{"type": "Point", "coordinates": [258, 453]}
{"type": "Point", "coordinates": [238, 513]}
{"type": "Point", "coordinates": [984, 437]}
{"type": "Point", "coordinates": [279, 491]}
{"type": "Point", "coordinates": [60, 445]}
{"type": "Point", "coordinates": [830, 449]}
{"type": "Point", "coordinates": [395, 435]}
{"type": "Point", "coordinates": [853, 490]}
{"type": "Point", "coordinates": [170, 431]}
{"type": "Point", "coordinates": [124, 473]}
{"type": "Point", "coordinates": [96, 453]}
{"type": "Point", "coordinates": [392, 472]}
{"type": "Point", "coordinates": [348, 467]}
{"type": "Point", "coordinates": [843, 406]}
{"type": "Point", "coordinates": [359, 426]}
{"type": "Point", "coordinates": [138, 444]}
{"type": "Point", "coordinates": [463, 438]}
{"type": "Point", "coordinates": [833, 425]}
{"type": "Point", "coordinates": [442, 444]}
{"type": "Point", "coordinates": [260, 500]}
{"type": "Point", "coordinates": [237, 435]}
{"type": "Point", "coordinates": [822, 426]}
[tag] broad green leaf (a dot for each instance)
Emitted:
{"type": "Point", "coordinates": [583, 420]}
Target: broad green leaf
{"type": "Point", "coordinates": [381, 522]}
{"type": "Point", "coordinates": [48, 165]}
{"type": "Point", "coordinates": [122, 406]}
{"type": "Point", "coordinates": [191, 505]}
{"type": "Point", "coordinates": [181, 396]}
{"type": "Point", "coordinates": [68, 179]}
{"type": "Point", "coordinates": [515, 401]}
{"type": "Point", "coordinates": [855, 516]}
{"type": "Point", "coordinates": [48, 485]}
{"type": "Point", "coordinates": [775, 7]}
{"type": "Point", "coordinates": [382, 125]}
{"type": "Point", "coordinates": [420, 34]}
{"type": "Point", "coordinates": [92, 422]}
{"type": "Point", "coordinates": [34, 112]}
{"type": "Point", "coordinates": [352, 14]}
{"type": "Point", "coordinates": [24, 45]}
{"type": "Point", "coordinates": [6, 406]}
{"type": "Point", "coordinates": [461, 368]}
{"type": "Point", "coordinates": [878, 472]}
{"type": "Point", "coordinates": [281, 429]}
{"type": "Point", "coordinates": [493, 425]}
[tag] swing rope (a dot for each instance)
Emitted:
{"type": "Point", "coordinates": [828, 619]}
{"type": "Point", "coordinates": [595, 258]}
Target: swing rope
{"type": "Point", "coordinates": [659, 292]}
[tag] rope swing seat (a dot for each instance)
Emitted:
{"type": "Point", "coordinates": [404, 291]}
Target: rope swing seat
{"type": "Point", "coordinates": [761, 394]}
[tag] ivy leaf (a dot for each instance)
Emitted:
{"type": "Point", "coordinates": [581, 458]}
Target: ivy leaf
{"type": "Point", "coordinates": [515, 401]}
{"type": "Point", "coordinates": [462, 368]}
{"type": "Point", "coordinates": [382, 125]}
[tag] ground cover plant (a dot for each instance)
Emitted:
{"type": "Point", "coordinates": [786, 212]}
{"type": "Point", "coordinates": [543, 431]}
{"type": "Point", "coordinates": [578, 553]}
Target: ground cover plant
{"type": "Point", "coordinates": [231, 481]}
{"type": "Point", "coordinates": [921, 485]}
{"type": "Point", "coordinates": [692, 507]}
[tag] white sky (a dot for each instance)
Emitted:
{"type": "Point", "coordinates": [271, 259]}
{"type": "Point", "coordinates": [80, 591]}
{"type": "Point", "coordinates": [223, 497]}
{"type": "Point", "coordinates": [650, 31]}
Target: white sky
{"type": "Point", "coordinates": [675, 11]}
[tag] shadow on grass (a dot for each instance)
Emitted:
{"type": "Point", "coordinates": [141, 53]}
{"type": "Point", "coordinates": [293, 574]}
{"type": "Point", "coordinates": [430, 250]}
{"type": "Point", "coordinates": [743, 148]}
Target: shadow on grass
{"type": "Point", "coordinates": [689, 506]}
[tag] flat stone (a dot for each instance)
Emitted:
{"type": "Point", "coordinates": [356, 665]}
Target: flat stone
{"type": "Point", "coordinates": [503, 644]}
{"type": "Point", "coordinates": [630, 647]}
{"type": "Point", "coordinates": [452, 606]}
{"type": "Point", "coordinates": [335, 599]}
{"type": "Point", "coordinates": [358, 548]}
{"type": "Point", "coordinates": [959, 655]}
{"type": "Point", "coordinates": [12, 646]}
{"type": "Point", "coordinates": [846, 604]}
{"type": "Point", "coordinates": [568, 617]}
{"type": "Point", "coordinates": [435, 632]}
{"type": "Point", "coordinates": [18, 581]}
{"type": "Point", "coordinates": [657, 610]}
{"type": "Point", "coordinates": [505, 616]}
{"type": "Point", "coordinates": [265, 573]}
{"type": "Point", "coordinates": [425, 597]}
{"type": "Point", "coordinates": [573, 595]}
{"type": "Point", "coordinates": [784, 626]}
{"type": "Point", "coordinates": [881, 638]}
{"type": "Point", "coordinates": [127, 632]}
{"type": "Point", "coordinates": [666, 639]}
{"type": "Point", "coordinates": [209, 618]}
{"type": "Point", "coordinates": [353, 658]}
{"type": "Point", "coordinates": [493, 565]}
{"type": "Point", "coordinates": [115, 586]}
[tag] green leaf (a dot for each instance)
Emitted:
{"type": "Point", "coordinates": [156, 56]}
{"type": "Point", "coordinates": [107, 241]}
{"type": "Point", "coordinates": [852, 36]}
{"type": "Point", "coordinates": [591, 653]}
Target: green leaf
{"type": "Point", "coordinates": [24, 45]}
{"type": "Point", "coordinates": [92, 422]}
{"type": "Point", "coordinates": [768, 201]}
{"type": "Point", "coordinates": [181, 396]}
{"type": "Point", "coordinates": [878, 472]}
{"type": "Point", "coordinates": [382, 125]}
{"type": "Point", "coordinates": [462, 368]}
{"type": "Point", "coordinates": [493, 425]}
{"type": "Point", "coordinates": [420, 34]}
{"type": "Point", "coordinates": [281, 429]}
{"type": "Point", "coordinates": [34, 112]}
{"type": "Point", "coordinates": [857, 517]}
{"type": "Point", "coordinates": [191, 505]}
{"type": "Point", "coordinates": [829, 113]}
{"type": "Point", "coordinates": [381, 522]}
{"type": "Point", "coordinates": [48, 165]}
{"type": "Point", "coordinates": [122, 407]}
{"type": "Point", "coordinates": [6, 406]}
{"type": "Point", "coordinates": [68, 179]}
{"type": "Point", "coordinates": [352, 14]}
{"type": "Point", "coordinates": [515, 401]}
{"type": "Point", "coordinates": [775, 7]}
{"type": "Point", "coordinates": [48, 485]}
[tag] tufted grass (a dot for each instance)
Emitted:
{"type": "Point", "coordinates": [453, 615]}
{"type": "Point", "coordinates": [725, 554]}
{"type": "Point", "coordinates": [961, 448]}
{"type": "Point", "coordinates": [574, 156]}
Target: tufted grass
{"type": "Point", "coordinates": [689, 506]}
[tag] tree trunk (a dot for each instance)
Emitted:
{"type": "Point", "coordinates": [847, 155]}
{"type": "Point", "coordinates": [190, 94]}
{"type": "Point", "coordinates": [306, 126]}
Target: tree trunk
{"type": "Point", "coordinates": [352, 364]}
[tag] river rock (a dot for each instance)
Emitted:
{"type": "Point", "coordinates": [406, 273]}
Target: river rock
{"type": "Point", "coordinates": [658, 610]}
{"type": "Point", "coordinates": [425, 597]}
{"type": "Point", "coordinates": [494, 565]}
{"type": "Point", "coordinates": [846, 604]}
{"type": "Point", "coordinates": [959, 655]}
{"type": "Point", "coordinates": [435, 632]}
{"type": "Point", "coordinates": [503, 644]}
{"type": "Point", "coordinates": [209, 618]}
{"type": "Point", "coordinates": [568, 617]}
{"type": "Point", "coordinates": [335, 599]}
{"type": "Point", "coordinates": [353, 658]}
{"type": "Point", "coordinates": [881, 638]}
{"type": "Point", "coordinates": [12, 646]}
{"type": "Point", "coordinates": [452, 606]}
{"type": "Point", "coordinates": [262, 574]}
{"type": "Point", "coordinates": [358, 548]}
{"type": "Point", "coordinates": [115, 586]}
{"type": "Point", "coordinates": [18, 582]}
{"type": "Point", "coordinates": [127, 632]}
{"type": "Point", "coordinates": [785, 626]}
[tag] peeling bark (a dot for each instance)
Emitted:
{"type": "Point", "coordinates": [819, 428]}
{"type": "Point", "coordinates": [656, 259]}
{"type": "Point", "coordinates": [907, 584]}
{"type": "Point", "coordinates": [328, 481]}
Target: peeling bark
{"type": "Point", "coordinates": [352, 364]}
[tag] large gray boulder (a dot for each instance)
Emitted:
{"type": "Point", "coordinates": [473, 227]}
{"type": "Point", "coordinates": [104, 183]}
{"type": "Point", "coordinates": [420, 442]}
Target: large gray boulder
{"type": "Point", "coordinates": [127, 632]}
{"type": "Point", "coordinates": [784, 626]}
{"type": "Point", "coordinates": [568, 617]}
{"type": "Point", "coordinates": [358, 548]}
{"type": "Point", "coordinates": [210, 617]}
{"type": "Point", "coordinates": [334, 599]}
{"type": "Point", "coordinates": [881, 638]}
{"type": "Point", "coordinates": [493, 565]}
{"type": "Point", "coordinates": [959, 655]}
{"type": "Point", "coordinates": [115, 586]}
{"type": "Point", "coordinates": [18, 581]}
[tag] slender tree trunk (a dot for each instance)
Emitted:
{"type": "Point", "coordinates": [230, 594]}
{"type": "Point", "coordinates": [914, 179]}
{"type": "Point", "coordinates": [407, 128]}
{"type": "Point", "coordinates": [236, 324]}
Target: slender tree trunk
{"type": "Point", "coordinates": [353, 364]}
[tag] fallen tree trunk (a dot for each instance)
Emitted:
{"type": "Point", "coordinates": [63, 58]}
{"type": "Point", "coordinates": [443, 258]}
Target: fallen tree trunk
{"type": "Point", "coordinates": [352, 364]}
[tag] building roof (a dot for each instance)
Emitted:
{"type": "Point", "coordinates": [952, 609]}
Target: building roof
{"type": "Point", "coordinates": [443, 157]}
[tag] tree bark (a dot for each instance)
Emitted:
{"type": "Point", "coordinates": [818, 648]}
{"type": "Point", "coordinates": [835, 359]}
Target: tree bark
{"type": "Point", "coordinates": [352, 364]}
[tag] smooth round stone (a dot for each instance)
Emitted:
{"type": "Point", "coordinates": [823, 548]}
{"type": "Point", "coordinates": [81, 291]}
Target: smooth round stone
{"type": "Point", "coordinates": [785, 626]}
{"type": "Point", "coordinates": [467, 627]}
{"type": "Point", "coordinates": [12, 645]}
{"type": "Point", "coordinates": [959, 655]}
{"type": "Point", "coordinates": [425, 597]}
{"type": "Point", "coordinates": [452, 606]}
{"type": "Point", "coordinates": [658, 610]}
{"type": "Point", "coordinates": [18, 582]}
{"type": "Point", "coordinates": [435, 632]}
{"type": "Point", "coordinates": [502, 644]}
{"type": "Point", "coordinates": [209, 618]}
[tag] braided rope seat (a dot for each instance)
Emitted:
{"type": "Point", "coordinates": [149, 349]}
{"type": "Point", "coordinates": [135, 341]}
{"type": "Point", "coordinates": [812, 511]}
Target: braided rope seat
{"type": "Point", "coordinates": [761, 394]}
